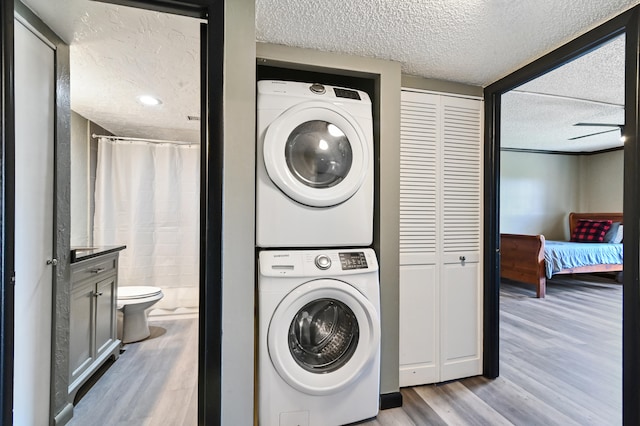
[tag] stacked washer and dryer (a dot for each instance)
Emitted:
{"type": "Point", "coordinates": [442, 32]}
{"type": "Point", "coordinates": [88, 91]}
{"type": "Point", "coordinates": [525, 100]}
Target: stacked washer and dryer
{"type": "Point", "coordinates": [318, 285]}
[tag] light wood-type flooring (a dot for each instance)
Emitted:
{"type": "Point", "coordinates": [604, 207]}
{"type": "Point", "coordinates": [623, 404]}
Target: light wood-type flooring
{"type": "Point", "coordinates": [153, 382]}
{"type": "Point", "coordinates": [560, 364]}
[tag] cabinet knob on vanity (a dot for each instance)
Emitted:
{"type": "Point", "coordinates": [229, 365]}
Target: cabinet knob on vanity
{"type": "Point", "coordinates": [52, 262]}
{"type": "Point", "coordinates": [97, 293]}
{"type": "Point", "coordinates": [462, 258]}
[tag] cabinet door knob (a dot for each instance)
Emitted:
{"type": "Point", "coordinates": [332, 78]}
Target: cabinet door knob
{"type": "Point", "coordinates": [463, 258]}
{"type": "Point", "coordinates": [96, 270]}
{"type": "Point", "coordinates": [97, 294]}
{"type": "Point", "coordinates": [52, 262]}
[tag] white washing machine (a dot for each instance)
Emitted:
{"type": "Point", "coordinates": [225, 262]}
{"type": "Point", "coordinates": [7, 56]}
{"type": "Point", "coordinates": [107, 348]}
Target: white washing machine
{"type": "Point", "coordinates": [319, 337]}
{"type": "Point", "coordinates": [314, 166]}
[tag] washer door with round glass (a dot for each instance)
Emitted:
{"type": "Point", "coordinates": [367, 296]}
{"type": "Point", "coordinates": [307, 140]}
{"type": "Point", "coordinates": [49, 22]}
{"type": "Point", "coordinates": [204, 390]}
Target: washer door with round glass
{"type": "Point", "coordinates": [316, 153]}
{"type": "Point", "coordinates": [322, 336]}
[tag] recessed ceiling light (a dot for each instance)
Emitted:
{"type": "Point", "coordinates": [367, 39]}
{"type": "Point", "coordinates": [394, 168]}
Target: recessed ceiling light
{"type": "Point", "coordinates": [149, 100]}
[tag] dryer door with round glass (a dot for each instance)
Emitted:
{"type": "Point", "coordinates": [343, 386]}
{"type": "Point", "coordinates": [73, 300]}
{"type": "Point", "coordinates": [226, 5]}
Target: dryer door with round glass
{"type": "Point", "coordinates": [316, 154]}
{"type": "Point", "coordinates": [322, 336]}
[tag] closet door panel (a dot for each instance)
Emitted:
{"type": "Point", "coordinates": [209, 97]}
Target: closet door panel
{"type": "Point", "coordinates": [419, 325]}
{"type": "Point", "coordinates": [460, 321]}
{"type": "Point", "coordinates": [461, 179]}
{"type": "Point", "coordinates": [419, 138]}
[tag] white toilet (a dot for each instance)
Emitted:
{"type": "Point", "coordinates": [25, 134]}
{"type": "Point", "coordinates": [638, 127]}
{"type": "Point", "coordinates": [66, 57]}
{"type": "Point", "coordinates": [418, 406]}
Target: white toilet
{"type": "Point", "coordinates": [133, 303]}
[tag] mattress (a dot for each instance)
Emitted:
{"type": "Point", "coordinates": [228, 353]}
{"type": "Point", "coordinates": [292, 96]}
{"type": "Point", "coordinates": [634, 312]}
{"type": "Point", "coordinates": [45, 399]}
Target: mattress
{"type": "Point", "coordinates": [559, 255]}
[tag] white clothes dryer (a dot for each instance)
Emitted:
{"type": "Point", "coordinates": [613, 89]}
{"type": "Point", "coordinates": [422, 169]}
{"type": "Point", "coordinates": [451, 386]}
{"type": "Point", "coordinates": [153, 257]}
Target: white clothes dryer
{"type": "Point", "coordinates": [319, 337]}
{"type": "Point", "coordinates": [314, 166]}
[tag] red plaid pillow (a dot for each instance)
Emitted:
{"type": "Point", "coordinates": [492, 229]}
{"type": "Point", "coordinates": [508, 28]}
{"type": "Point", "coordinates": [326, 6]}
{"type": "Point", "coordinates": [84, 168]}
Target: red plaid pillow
{"type": "Point", "coordinates": [590, 231]}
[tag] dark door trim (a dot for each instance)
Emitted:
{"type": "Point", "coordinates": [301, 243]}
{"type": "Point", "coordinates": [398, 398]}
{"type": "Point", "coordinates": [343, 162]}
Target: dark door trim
{"type": "Point", "coordinates": [626, 23]}
{"type": "Point", "coordinates": [7, 220]}
{"type": "Point", "coordinates": [210, 342]}
{"type": "Point", "coordinates": [631, 281]}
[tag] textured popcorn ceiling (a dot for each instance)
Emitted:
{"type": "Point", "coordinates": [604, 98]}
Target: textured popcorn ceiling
{"type": "Point", "coordinates": [468, 41]}
{"type": "Point", "coordinates": [541, 114]}
{"type": "Point", "coordinates": [118, 53]}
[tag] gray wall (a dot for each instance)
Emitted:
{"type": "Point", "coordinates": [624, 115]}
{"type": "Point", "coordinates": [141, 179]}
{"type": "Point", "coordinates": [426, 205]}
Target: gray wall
{"type": "Point", "coordinates": [538, 191]}
{"type": "Point", "coordinates": [601, 178]}
{"type": "Point", "coordinates": [94, 129]}
{"type": "Point", "coordinates": [387, 134]}
{"type": "Point", "coordinates": [411, 81]}
{"type": "Point", "coordinates": [84, 159]}
{"type": "Point", "coordinates": [238, 213]}
{"type": "Point", "coordinates": [80, 230]}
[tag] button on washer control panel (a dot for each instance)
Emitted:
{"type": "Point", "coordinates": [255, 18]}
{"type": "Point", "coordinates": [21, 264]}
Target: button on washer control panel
{"type": "Point", "coordinates": [323, 262]}
{"type": "Point", "coordinates": [317, 88]}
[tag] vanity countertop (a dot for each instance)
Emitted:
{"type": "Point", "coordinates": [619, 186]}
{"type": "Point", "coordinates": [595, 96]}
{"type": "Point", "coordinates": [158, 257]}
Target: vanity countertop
{"type": "Point", "coordinates": [83, 253]}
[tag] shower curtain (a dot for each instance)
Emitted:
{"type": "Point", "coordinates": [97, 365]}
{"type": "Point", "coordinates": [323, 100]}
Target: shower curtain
{"type": "Point", "coordinates": [147, 197]}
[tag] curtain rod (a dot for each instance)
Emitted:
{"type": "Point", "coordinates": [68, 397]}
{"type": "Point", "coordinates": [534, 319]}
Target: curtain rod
{"type": "Point", "coordinates": [94, 136]}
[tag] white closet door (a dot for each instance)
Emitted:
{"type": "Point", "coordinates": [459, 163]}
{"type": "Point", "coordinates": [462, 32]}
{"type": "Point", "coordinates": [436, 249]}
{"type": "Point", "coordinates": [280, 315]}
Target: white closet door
{"type": "Point", "coordinates": [420, 130]}
{"type": "Point", "coordinates": [461, 203]}
{"type": "Point", "coordinates": [440, 238]}
{"type": "Point", "coordinates": [34, 108]}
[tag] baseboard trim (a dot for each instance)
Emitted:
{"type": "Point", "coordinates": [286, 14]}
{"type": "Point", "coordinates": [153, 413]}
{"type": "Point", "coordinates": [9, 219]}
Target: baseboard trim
{"type": "Point", "coordinates": [63, 417]}
{"type": "Point", "coordinates": [390, 400]}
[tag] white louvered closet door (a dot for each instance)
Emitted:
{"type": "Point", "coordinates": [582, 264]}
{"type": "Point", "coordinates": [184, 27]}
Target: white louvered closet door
{"type": "Point", "coordinates": [420, 130]}
{"type": "Point", "coordinates": [461, 213]}
{"type": "Point", "coordinates": [461, 179]}
{"type": "Point", "coordinates": [440, 237]}
{"type": "Point", "coordinates": [420, 134]}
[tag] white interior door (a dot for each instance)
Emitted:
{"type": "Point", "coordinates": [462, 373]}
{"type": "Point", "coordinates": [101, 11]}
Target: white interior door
{"type": "Point", "coordinates": [34, 109]}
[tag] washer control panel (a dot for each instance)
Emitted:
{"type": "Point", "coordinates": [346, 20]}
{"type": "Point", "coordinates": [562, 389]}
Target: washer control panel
{"type": "Point", "coordinates": [317, 263]}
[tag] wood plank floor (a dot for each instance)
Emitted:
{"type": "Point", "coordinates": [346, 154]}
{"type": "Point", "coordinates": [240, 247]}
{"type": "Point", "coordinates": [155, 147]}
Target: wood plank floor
{"type": "Point", "coordinates": [154, 382]}
{"type": "Point", "coordinates": [561, 364]}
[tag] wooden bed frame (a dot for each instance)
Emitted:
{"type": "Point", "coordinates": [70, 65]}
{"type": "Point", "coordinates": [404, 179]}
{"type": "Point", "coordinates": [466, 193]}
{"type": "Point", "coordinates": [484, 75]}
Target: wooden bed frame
{"type": "Point", "coordinates": [522, 256]}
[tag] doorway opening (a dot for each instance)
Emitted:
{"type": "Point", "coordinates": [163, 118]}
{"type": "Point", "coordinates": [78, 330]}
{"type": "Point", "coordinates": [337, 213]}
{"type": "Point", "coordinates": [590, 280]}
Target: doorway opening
{"type": "Point", "coordinates": [209, 252]}
{"type": "Point", "coordinates": [626, 24]}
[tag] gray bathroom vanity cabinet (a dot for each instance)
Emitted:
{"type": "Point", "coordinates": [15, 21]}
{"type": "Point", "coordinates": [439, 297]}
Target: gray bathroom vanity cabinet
{"type": "Point", "coordinates": [93, 327]}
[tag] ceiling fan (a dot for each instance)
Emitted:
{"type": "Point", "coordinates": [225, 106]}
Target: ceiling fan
{"type": "Point", "coordinates": [619, 127]}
